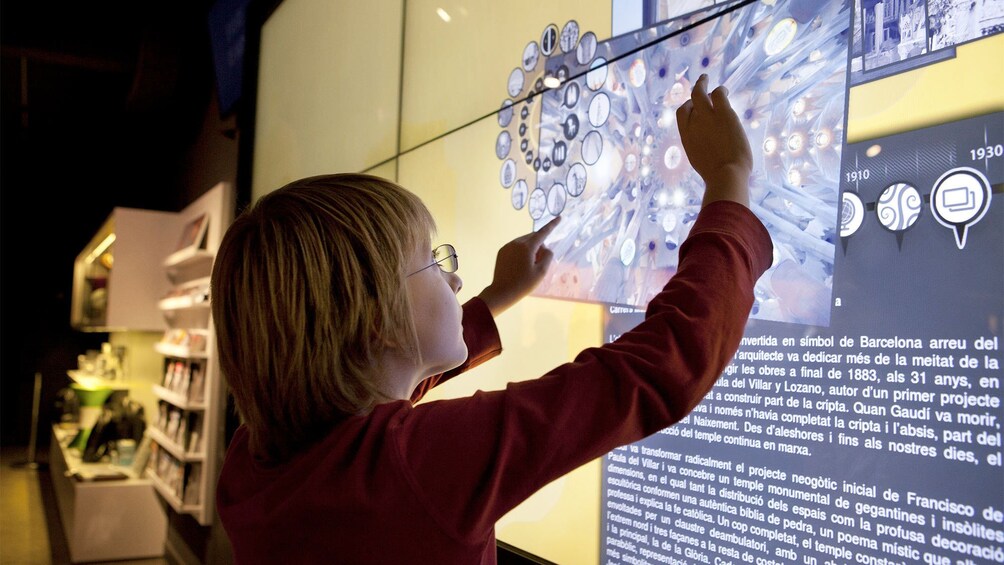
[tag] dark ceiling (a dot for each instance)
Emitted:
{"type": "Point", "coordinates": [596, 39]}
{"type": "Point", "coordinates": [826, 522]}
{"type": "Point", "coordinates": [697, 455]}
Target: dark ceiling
{"type": "Point", "coordinates": [108, 88]}
{"type": "Point", "coordinates": [100, 102]}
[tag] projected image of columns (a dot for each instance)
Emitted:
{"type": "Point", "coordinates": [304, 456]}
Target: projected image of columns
{"type": "Point", "coordinates": [784, 64]}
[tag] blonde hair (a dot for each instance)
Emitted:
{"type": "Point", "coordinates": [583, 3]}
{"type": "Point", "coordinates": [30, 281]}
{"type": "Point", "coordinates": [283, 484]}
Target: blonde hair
{"type": "Point", "coordinates": [307, 288]}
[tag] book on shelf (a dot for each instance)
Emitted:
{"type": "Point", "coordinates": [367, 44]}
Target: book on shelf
{"type": "Point", "coordinates": [195, 436]}
{"type": "Point", "coordinates": [173, 421]}
{"type": "Point", "coordinates": [197, 388]}
{"type": "Point", "coordinates": [192, 485]}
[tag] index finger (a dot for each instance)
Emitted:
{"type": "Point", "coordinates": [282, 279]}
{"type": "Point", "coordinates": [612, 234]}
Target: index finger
{"type": "Point", "coordinates": [546, 229]}
{"type": "Point", "coordinates": [700, 93]}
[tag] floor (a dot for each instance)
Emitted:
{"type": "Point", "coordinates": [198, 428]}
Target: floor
{"type": "Point", "coordinates": [30, 530]}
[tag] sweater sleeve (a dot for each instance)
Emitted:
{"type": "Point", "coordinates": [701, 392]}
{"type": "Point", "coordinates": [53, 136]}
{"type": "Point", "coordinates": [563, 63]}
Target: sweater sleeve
{"type": "Point", "coordinates": [473, 459]}
{"type": "Point", "coordinates": [483, 343]}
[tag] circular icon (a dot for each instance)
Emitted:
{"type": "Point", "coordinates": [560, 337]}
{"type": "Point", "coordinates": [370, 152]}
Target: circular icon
{"type": "Point", "coordinates": [852, 213]}
{"type": "Point", "coordinates": [571, 94]}
{"type": "Point", "coordinates": [537, 204]}
{"type": "Point", "coordinates": [599, 109]}
{"type": "Point", "coordinates": [571, 126]}
{"type": "Point", "coordinates": [597, 74]}
{"type": "Point", "coordinates": [561, 73]}
{"type": "Point", "coordinates": [522, 129]}
{"type": "Point", "coordinates": [959, 199]}
{"type": "Point", "coordinates": [505, 113]}
{"type": "Point", "coordinates": [546, 165]}
{"type": "Point", "coordinates": [592, 147]}
{"type": "Point", "coordinates": [586, 49]}
{"type": "Point", "coordinates": [673, 157]}
{"type": "Point", "coordinates": [637, 72]}
{"type": "Point", "coordinates": [508, 173]}
{"type": "Point", "coordinates": [549, 39]}
{"type": "Point", "coordinates": [898, 206]}
{"type": "Point", "coordinates": [780, 36]}
{"type": "Point", "coordinates": [502, 144]}
{"type": "Point", "coordinates": [556, 198]}
{"type": "Point", "coordinates": [524, 112]}
{"type": "Point", "coordinates": [559, 153]}
{"type": "Point", "coordinates": [515, 84]}
{"type": "Point", "coordinates": [523, 144]}
{"type": "Point", "coordinates": [519, 194]}
{"type": "Point", "coordinates": [575, 180]}
{"type": "Point", "coordinates": [569, 36]}
{"type": "Point", "coordinates": [530, 56]}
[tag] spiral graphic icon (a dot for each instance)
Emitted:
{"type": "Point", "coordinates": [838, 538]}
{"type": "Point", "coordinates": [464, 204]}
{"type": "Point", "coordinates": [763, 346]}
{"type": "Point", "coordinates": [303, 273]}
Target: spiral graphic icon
{"type": "Point", "coordinates": [899, 206]}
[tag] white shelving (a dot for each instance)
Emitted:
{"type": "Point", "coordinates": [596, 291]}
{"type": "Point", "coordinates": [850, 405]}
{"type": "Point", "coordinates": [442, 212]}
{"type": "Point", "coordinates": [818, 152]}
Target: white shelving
{"type": "Point", "coordinates": [187, 431]}
{"type": "Point", "coordinates": [186, 257]}
{"type": "Point", "coordinates": [177, 399]}
{"type": "Point", "coordinates": [176, 451]}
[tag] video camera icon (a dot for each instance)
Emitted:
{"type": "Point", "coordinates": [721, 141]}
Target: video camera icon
{"type": "Point", "coordinates": [960, 198]}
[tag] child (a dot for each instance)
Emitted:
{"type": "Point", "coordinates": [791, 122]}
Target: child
{"type": "Point", "coordinates": [332, 316]}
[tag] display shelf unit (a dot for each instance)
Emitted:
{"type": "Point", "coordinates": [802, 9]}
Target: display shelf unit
{"type": "Point", "coordinates": [104, 520]}
{"type": "Point", "coordinates": [188, 433]}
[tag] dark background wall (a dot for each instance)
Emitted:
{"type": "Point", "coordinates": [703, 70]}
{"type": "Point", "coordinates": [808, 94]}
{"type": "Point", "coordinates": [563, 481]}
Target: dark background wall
{"type": "Point", "coordinates": [103, 105]}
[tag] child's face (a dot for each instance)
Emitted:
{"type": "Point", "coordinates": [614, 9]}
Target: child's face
{"type": "Point", "coordinates": [436, 312]}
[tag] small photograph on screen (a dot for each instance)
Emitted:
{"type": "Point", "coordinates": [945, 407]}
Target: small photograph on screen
{"type": "Point", "coordinates": [893, 31]}
{"type": "Point", "coordinates": [610, 161]}
{"type": "Point", "coordinates": [957, 21]}
{"type": "Point", "coordinates": [857, 43]}
{"type": "Point", "coordinates": [893, 37]}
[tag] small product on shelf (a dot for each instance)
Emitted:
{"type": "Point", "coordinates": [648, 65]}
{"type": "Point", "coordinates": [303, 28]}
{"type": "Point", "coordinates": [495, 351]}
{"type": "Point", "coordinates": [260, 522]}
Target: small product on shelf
{"type": "Point", "coordinates": [197, 388]}
{"type": "Point", "coordinates": [194, 440]}
{"type": "Point", "coordinates": [192, 484]}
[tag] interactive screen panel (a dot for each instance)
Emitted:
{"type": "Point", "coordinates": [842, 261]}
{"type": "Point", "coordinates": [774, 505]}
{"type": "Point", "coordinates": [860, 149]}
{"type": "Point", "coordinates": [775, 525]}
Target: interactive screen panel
{"type": "Point", "coordinates": [875, 437]}
{"type": "Point", "coordinates": [837, 428]}
{"type": "Point", "coordinates": [605, 152]}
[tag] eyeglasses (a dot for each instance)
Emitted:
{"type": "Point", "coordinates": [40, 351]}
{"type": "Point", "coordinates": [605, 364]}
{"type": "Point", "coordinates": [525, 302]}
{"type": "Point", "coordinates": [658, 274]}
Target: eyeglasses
{"type": "Point", "coordinates": [444, 256]}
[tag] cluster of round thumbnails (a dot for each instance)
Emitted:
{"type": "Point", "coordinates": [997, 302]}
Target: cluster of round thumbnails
{"type": "Point", "coordinates": [519, 146]}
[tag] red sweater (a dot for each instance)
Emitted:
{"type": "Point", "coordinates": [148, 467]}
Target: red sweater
{"type": "Point", "coordinates": [426, 484]}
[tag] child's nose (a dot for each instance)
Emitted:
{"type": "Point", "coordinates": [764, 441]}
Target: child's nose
{"type": "Point", "coordinates": [455, 282]}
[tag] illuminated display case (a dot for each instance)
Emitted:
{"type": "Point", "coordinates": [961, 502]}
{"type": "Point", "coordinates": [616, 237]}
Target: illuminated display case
{"type": "Point", "coordinates": [117, 278]}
